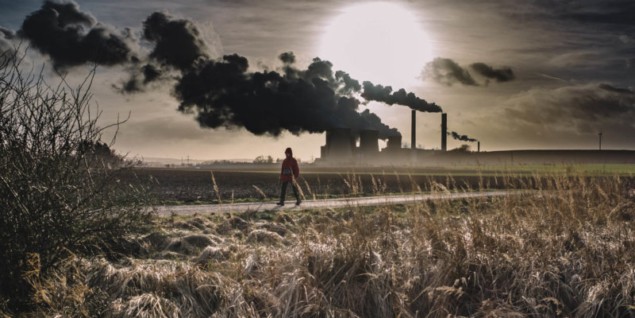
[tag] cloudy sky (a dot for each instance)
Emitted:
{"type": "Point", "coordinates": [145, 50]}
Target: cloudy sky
{"type": "Point", "coordinates": [220, 79]}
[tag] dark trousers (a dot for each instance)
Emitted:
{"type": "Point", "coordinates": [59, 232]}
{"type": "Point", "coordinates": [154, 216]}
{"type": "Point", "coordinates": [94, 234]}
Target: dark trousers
{"type": "Point", "coordinates": [283, 191]}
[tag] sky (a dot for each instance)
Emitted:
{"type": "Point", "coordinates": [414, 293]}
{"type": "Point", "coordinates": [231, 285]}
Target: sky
{"type": "Point", "coordinates": [220, 79]}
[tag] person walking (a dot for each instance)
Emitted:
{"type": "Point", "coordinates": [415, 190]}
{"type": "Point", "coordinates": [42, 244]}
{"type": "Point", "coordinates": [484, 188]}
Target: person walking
{"type": "Point", "coordinates": [288, 174]}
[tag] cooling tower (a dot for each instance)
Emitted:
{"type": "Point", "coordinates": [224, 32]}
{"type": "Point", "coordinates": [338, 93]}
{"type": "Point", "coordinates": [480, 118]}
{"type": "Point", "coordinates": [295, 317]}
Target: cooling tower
{"type": "Point", "coordinates": [369, 142]}
{"type": "Point", "coordinates": [339, 144]}
{"type": "Point", "coordinates": [394, 142]}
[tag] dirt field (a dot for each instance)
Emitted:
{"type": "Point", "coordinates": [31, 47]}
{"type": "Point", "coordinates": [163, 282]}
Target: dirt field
{"type": "Point", "coordinates": [192, 186]}
{"type": "Point", "coordinates": [197, 185]}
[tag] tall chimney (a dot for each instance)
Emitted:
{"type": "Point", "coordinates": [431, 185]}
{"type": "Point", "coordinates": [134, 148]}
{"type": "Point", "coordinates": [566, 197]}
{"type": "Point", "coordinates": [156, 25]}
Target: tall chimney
{"type": "Point", "coordinates": [444, 131]}
{"type": "Point", "coordinates": [479, 146]}
{"type": "Point", "coordinates": [413, 130]}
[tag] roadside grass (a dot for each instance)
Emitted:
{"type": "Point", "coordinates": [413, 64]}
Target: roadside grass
{"type": "Point", "coordinates": [454, 169]}
{"type": "Point", "coordinates": [589, 169]}
{"type": "Point", "coordinates": [566, 250]}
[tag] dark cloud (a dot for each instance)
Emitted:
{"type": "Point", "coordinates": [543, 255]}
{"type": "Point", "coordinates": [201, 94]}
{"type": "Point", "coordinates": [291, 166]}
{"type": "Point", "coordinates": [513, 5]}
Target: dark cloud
{"type": "Point", "coordinates": [504, 74]}
{"type": "Point", "coordinates": [287, 58]}
{"type": "Point", "coordinates": [6, 33]}
{"type": "Point", "coordinates": [72, 37]}
{"type": "Point", "coordinates": [384, 94]}
{"type": "Point", "coordinates": [581, 109]}
{"type": "Point", "coordinates": [6, 48]}
{"type": "Point", "coordinates": [177, 45]}
{"type": "Point", "coordinates": [614, 89]}
{"type": "Point", "coordinates": [611, 12]}
{"type": "Point", "coordinates": [177, 42]}
{"type": "Point", "coordinates": [448, 72]}
{"type": "Point", "coordinates": [222, 93]}
{"type": "Point", "coordinates": [370, 120]}
{"type": "Point", "coordinates": [348, 85]}
{"type": "Point", "coordinates": [460, 137]}
{"type": "Point", "coordinates": [141, 77]}
{"type": "Point", "coordinates": [150, 72]}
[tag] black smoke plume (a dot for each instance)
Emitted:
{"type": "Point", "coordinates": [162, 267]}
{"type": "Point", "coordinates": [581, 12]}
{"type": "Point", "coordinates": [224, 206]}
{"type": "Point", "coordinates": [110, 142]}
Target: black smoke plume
{"type": "Point", "coordinates": [504, 74]}
{"type": "Point", "coordinates": [460, 137]}
{"type": "Point", "coordinates": [384, 94]}
{"type": "Point", "coordinates": [448, 72]}
{"type": "Point", "coordinates": [177, 46]}
{"type": "Point", "coordinates": [370, 120]}
{"type": "Point", "coordinates": [177, 42]}
{"type": "Point", "coordinates": [71, 37]}
{"type": "Point", "coordinates": [224, 94]}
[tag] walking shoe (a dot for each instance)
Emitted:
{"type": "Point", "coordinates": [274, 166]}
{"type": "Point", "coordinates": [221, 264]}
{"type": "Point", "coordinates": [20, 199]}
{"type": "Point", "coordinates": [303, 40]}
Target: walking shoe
{"type": "Point", "coordinates": [280, 203]}
{"type": "Point", "coordinates": [297, 203]}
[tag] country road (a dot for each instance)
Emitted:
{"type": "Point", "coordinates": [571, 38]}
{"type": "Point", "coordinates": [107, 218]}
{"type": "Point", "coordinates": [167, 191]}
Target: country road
{"type": "Point", "coordinates": [166, 210]}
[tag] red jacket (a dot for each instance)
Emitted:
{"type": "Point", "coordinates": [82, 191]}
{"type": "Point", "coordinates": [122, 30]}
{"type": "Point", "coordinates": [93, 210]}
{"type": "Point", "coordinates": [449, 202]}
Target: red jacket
{"type": "Point", "coordinates": [289, 169]}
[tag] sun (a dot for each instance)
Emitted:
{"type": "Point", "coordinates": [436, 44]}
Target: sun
{"type": "Point", "coordinates": [377, 41]}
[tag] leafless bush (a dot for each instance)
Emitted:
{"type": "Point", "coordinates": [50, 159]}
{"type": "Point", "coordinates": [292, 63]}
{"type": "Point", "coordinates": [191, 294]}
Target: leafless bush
{"type": "Point", "coordinates": [58, 195]}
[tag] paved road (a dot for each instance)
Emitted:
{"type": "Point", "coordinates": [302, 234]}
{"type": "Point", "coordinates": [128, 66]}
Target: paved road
{"type": "Point", "coordinates": [326, 203]}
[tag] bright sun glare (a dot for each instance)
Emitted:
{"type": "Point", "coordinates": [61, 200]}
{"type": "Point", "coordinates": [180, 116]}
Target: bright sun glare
{"type": "Point", "coordinates": [377, 41]}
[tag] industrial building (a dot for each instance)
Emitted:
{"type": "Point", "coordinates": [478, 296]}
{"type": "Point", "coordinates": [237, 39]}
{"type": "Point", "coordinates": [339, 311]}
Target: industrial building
{"type": "Point", "coordinates": [342, 148]}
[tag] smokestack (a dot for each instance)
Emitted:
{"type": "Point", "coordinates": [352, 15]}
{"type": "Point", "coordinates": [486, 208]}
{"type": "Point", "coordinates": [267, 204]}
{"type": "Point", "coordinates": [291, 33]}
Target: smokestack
{"type": "Point", "coordinates": [413, 138]}
{"type": "Point", "coordinates": [444, 131]}
{"type": "Point", "coordinates": [478, 146]}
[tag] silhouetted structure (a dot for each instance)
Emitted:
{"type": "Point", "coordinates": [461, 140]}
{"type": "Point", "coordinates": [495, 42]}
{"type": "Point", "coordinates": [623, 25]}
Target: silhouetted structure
{"type": "Point", "coordinates": [413, 130]}
{"type": "Point", "coordinates": [444, 131]}
{"type": "Point", "coordinates": [369, 143]}
{"type": "Point", "coordinates": [339, 145]}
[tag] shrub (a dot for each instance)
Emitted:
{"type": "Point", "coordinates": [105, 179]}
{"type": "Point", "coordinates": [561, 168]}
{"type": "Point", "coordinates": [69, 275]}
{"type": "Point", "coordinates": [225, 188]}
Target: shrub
{"type": "Point", "coordinates": [59, 196]}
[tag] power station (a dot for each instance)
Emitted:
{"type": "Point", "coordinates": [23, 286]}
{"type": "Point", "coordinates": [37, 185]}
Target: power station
{"type": "Point", "coordinates": [346, 146]}
{"type": "Point", "coordinates": [342, 147]}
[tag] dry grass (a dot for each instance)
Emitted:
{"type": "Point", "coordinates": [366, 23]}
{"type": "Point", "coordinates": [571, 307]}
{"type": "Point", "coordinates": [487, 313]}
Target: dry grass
{"type": "Point", "coordinates": [568, 250]}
